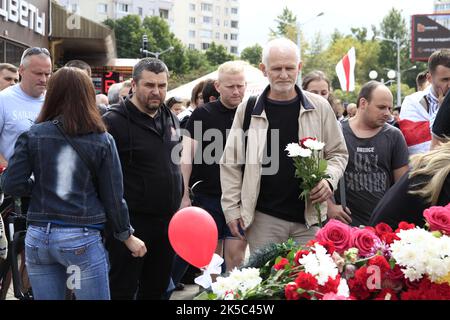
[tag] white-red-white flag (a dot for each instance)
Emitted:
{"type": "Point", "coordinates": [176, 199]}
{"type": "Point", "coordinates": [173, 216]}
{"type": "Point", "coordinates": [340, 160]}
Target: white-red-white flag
{"type": "Point", "coordinates": [345, 70]}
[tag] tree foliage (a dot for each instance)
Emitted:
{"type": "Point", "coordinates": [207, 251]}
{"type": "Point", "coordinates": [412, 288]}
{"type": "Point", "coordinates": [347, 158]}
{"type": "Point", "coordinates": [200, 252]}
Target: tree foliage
{"type": "Point", "coordinates": [252, 54]}
{"type": "Point", "coordinates": [217, 54]}
{"type": "Point", "coordinates": [286, 25]}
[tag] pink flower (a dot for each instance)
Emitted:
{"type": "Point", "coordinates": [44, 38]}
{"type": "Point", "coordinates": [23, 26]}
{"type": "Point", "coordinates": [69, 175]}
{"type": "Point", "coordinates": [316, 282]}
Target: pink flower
{"type": "Point", "coordinates": [334, 296]}
{"type": "Point", "coordinates": [438, 219]}
{"type": "Point", "coordinates": [336, 232]}
{"type": "Point", "coordinates": [364, 240]}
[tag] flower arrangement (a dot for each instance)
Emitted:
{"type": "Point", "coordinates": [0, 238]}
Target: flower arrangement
{"type": "Point", "coordinates": [310, 168]}
{"type": "Point", "coordinates": [347, 263]}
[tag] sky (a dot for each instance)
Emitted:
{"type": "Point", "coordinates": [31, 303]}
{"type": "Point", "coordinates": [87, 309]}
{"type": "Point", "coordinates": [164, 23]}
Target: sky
{"type": "Point", "coordinates": [257, 16]}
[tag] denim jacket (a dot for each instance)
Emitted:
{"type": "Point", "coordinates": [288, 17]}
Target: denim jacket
{"type": "Point", "coordinates": [61, 186]}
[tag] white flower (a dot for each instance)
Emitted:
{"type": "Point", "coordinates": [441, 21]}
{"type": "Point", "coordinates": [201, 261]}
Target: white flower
{"type": "Point", "coordinates": [343, 289]}
{"type": "Point", "coordinates": [320, 264]}
{"type": "Point", "coordinates": [314, 144]}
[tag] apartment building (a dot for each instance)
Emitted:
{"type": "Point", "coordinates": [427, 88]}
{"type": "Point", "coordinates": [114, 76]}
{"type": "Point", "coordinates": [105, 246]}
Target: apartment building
{"type": "Point", "coordinates": [198, 23]}
{"type": "Point", "coordinates": [100, 10]}
{"type": "Point", "coordinates": [442, 9]}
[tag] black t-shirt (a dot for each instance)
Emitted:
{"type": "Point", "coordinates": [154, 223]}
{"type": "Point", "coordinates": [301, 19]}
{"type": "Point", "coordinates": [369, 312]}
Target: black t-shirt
{"type": "Point", "coordinates": [279, 193]}
{"type": "Point", "coordinates": [208, 125]}
{"type": "Point", "coordinates": [399, 205]}
{"type": "Point", "coordinates": [441, 126]}
{"type": "Point", "coordinates": [370, 169]}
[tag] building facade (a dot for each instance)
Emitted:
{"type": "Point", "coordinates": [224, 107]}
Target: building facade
{"type": "Point", "coordinates": [100, 10]}
{"type": "Point", "coordinates": [442, 9]}
{"type": "Point", "coordinates": [198, 23]}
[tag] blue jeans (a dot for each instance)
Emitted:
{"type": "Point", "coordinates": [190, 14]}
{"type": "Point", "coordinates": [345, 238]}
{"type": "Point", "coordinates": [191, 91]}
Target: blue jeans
{"type": "Point", "coordinates": [60, 259]}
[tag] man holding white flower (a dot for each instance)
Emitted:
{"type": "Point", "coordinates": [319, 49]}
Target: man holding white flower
{"type": "Point", "coordinates": [259, 190]}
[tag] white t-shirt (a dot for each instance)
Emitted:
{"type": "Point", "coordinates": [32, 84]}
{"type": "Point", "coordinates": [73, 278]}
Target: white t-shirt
{"type": "Point", "coordinates": [18, 112]}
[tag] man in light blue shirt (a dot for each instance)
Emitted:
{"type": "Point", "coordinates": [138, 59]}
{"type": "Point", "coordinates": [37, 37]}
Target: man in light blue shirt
{"type": "Point", "coordinates": [20, 104]}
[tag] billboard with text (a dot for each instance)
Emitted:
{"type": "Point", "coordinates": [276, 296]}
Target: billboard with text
{"type": "Point", "coordinates": [429, 33]}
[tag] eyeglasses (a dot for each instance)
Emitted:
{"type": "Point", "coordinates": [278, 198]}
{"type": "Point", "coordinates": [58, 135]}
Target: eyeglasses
{"type": "Point", "coordinates": [34, 51]}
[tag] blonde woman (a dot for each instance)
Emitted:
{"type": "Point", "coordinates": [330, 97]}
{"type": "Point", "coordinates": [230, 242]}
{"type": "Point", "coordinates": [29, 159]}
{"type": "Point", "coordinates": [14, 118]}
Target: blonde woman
{"type": "Point", "coordinates": [427, 184]}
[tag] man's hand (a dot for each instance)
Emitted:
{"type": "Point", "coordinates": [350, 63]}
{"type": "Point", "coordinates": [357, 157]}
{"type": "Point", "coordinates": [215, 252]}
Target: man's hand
{"type": "Point", "coordinates": [136, 246]}
{"type": "Point", "coordinates": [234, 228]}
{"type": "Point", "coordinates": [321, 192]}
{"type": "Point", "coordinates": [335, 211]}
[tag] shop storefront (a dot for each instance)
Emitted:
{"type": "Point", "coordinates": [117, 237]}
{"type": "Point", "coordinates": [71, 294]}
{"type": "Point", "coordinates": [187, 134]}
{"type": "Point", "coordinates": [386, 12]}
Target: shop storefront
{"type": "Point", "coordinates": [44, 23]}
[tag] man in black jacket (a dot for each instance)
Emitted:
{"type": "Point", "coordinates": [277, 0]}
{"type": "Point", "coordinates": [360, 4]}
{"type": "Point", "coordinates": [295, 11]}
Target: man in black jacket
{"type": "Point", "coordinates": [147, 139]}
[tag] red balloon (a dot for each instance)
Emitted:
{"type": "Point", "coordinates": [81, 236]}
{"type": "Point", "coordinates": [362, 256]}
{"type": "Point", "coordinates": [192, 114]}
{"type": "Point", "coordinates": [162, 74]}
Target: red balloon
{"type": "Point", "coordinates": [193, 235]}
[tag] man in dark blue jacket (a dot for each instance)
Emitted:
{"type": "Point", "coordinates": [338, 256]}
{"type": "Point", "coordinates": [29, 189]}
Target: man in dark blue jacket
{"type": "Point", "coordinates": [147, 139]}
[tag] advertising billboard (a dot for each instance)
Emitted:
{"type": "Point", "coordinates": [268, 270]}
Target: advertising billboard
{"type": "Point", "coordinates": [429, 33]}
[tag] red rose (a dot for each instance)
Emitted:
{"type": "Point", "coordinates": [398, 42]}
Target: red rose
{"type": "Point", "coordinates": [380, 262]}
{"type": "Point", "coordinates": [438, 219]}
{"type": "Point", "coordinates": [336, 232]}
{"type": "Point", "coordinates": [382, 228]}
{"type": "Point", "coordinates": [300, 255]}
{"type": "Point", "coordinates": [405, 226]}
{"type": "Point", "coordinates": [302, 141]}
{"type": "Point", "coordinates": [358, 284]}
{"type": "Point", "coordinates": [281, 264]}
{"type": "Point", "coordinates": [290, 291]}
{"type": "Point", "coordinates": [364, 240]}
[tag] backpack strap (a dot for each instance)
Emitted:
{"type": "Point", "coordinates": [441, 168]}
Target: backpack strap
{"type": "Point", "coordinates": [247, 118]}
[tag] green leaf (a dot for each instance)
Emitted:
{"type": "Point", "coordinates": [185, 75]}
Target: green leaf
{"type": "Point", "coordinates": [323, 165]}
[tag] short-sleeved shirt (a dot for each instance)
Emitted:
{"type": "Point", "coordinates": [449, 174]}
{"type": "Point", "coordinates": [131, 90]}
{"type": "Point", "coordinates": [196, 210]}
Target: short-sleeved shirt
{"type": "Point", "coordinates": [370, 170]}
{"type": "Point", "coordinates": [441, 126]}
{"type": "Point", "coordinates": [18, 111]}
{"type": "Point", "coordinates": [209, 126]}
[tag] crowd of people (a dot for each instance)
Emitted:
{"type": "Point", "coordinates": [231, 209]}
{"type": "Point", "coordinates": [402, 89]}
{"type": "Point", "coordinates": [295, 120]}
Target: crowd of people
{"type": "Point", "coordinates": [100, 177]}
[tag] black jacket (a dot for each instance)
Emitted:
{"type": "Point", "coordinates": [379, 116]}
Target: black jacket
{"type": "Point", "coordinates": [152, 178]}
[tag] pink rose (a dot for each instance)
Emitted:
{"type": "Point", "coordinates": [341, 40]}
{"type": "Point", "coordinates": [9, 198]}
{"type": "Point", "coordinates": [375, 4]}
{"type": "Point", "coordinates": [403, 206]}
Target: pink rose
{"type": "Point", "coordinates": [438, 218]}
{"type": "Point", "coordinates": [364, 240]}
{"type": "Point", "coordinates": [336, 232]}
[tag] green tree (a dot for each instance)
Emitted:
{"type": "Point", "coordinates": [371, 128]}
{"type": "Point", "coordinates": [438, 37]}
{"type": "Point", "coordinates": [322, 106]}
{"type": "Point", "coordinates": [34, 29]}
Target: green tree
{"type": "Point", "coordinates": [128, 31]}
{"type": "Point", "coordinates": [252, 54]}
{"type": "Point", "coordinates": [286, 25]}
{"type": "Point", "coordinates": [218, 54]}
{"type": "Point", "coordinates": [360, 33]}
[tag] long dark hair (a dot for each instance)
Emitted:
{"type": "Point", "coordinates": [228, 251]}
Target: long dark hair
{"type": "Point", "coordinates": [71, 94]}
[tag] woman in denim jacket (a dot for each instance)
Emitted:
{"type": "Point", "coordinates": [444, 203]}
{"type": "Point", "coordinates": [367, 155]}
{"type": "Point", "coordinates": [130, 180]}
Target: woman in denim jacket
{"type": "Point", "coordinates": [68, 207]}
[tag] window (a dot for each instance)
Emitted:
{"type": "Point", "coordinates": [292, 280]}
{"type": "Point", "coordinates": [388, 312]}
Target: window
{"type": "Point", "coordinates": [192, 6]}
{"type": "Point", "coordinates": [226, 23]}
{"type": "Point", "coordinates": [227, 11]}
{"type": "Point", "coordinates": [102, 8]}
{"type": "Point", "coordinates": [74, 7]}
{"type": "Point", "coordinates": [122, 7]}
{"type": "Point", "coordinates": [225, 36]}
{"type": "Point", "coordinates": [218, 22]}
{"type": "Point", "coordinates": [234, 24]}
{"type": "Point", "coordinates": [163, 13]}
{"type": "Point", "coordinates": [218, 10]}
{"type": "Point", "coordinates": [152, 12]}
{"type": "Point", "coordinates": [206, 34]}
{"type": "Point", "coordinates": [234, 50]}
{"type": "Point", "coordinates": [191, 46]}
{"type": "Point", "coordinates": [218, 35]}
{"type": "Point", "coordinates": [192, 20]}
{"type": "Point", "coordinates": [191, 33]}
{"type": "Point", "coordinates": [207, 20]}
{"type": "Point", "coordinates": [233, 36]}
{"type": "Point", "coordinates": [205, 46]}
{"type": "Point", "coordinates": [234, 10]}
{"type": "Point", "coordinates": [206, 7]}
{"type": "Point", "coordinates": [140, 11]}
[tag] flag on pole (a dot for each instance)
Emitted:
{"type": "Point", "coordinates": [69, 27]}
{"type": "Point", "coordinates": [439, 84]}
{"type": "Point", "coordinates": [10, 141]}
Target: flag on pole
{"type": "Point", "coordinates": [345, 70]}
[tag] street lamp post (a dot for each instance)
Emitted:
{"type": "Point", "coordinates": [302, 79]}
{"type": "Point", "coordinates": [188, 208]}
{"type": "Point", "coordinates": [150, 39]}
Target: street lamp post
{"type": "Point", "coordinates": [399, 72]}
{"type": "Point", "coordinates": [156, 54]}
{"type": "Point", "coordinates": [299, 44]}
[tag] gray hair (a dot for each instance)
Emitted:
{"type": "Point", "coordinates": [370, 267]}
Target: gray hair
{"type": "Point", "coordinates": [281, 44]}
{"type": "Point", "coordinates": [149, 64]}
{"type": "Point", "coordinates": [113, 93]}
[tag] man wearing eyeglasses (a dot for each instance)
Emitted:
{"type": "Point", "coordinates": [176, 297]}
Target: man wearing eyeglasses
{"type": "Point", "coordinates": [8, 75]}
{"type": "Point", "coordinates": [20, 104]}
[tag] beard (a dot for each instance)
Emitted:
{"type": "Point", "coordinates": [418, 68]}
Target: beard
{"type": "Point", "coordinates": [150, 107]}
